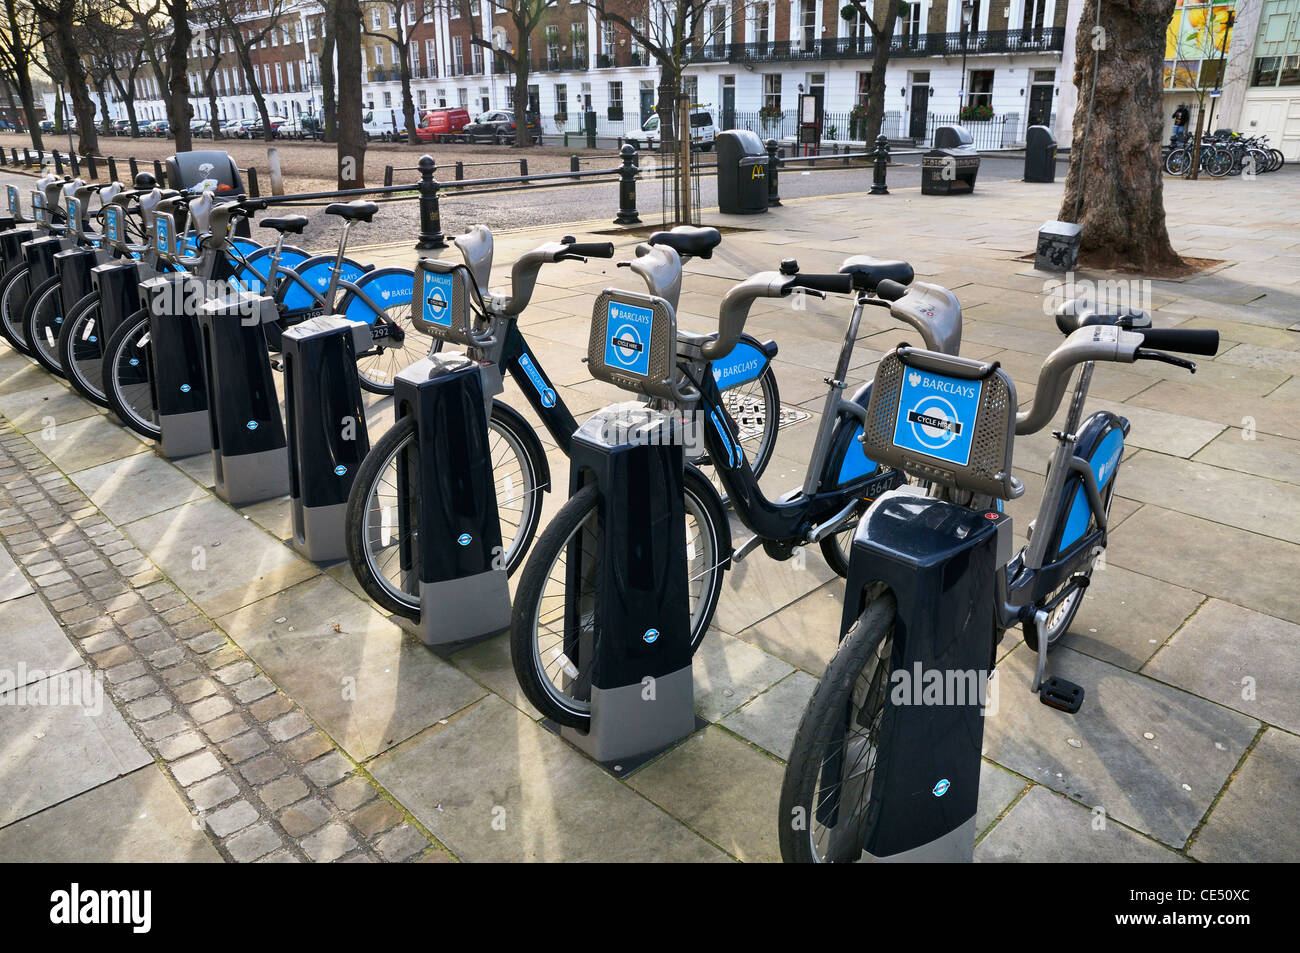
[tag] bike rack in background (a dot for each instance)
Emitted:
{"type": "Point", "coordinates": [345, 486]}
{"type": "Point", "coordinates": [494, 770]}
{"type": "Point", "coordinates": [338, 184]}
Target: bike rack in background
{"type": "Point", "coordinates": [642, 691]}
{"type": "Point", "coordinates": [178, 384]}
{"type": "Point", "coordinates": [462, 579]}
{"type": "Point", "coordinates": [11, 247]}
{"type": "Point", "coordinates": [250, 458]}
{"type": "Point", "coordinates": [39, 253]}
{"type": "Point", "coordinates": [327, 429]}
{"type": "Point", "coordinates": [118, 284]}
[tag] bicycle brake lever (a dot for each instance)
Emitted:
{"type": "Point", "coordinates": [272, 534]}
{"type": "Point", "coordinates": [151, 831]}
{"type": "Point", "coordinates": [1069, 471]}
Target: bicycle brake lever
{"type": "Point", "coordinates": [1145, 355]}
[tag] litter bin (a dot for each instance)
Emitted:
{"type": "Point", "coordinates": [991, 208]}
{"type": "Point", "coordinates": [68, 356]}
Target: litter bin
{"type": "Point", "coordinates": [1040, 155]}
{"type": "Point", "coordinates": [951, 166]}
{"type": "Point", "coordinates": [1058, 246]}
{"type": "Point", "coordinates": [742, 173]}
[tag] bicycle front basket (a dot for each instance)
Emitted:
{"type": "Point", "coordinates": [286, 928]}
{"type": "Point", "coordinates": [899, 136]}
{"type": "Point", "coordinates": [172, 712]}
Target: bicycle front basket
{"type": "Point", "coordinates": [943, 418]}
{"type": "Point", "coordinates": [633, 343]}
{"type": "Point", "coordinates": [445, 312]}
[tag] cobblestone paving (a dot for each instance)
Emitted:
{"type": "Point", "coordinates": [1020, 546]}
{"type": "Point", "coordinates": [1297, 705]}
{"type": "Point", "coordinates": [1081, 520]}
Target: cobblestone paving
{"type": "Point", "coordinates": [259, 777]}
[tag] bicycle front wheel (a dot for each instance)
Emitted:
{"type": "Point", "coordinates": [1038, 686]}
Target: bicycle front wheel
{"type": "Point", "coordinates": [551, 617]}
{"type": "Point", "coordinates": [826, 796]}
{"type": "Point", "coordinates": [42, 321]}
{"type": "Point", "coordinates": [13, 295]}
{"type": "Point", "coordinates": [81, 349]}
{"type": "Point", "coordinates": [1178, 162]}
{"type": "Point", "coordinates": [382, 542]}
{"type": "Point", "coordinates": [127, 376]}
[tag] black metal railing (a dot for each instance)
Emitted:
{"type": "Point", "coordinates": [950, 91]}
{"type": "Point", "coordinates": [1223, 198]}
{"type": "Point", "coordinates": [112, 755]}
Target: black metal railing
{"type": "Point", "coordinates": [975, 43]}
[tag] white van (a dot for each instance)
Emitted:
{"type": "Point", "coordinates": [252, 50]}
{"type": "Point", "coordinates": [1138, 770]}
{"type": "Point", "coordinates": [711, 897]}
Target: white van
{"type": "Point", "coordinates": [703, 131]}
{"type": "Point", "coordinates": [381, 124]}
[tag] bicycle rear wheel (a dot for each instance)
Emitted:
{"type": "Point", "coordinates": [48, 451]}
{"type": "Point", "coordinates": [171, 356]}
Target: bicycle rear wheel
{"type": "Point", "coordinates": [542, 629]}
{"type": "Point", "coordinates": [826, 796]}
{"type": "Point", "coordinates": [383, 551]}
{"type": "Point", "coordinates": [391, 289]}
{"type": "Point", "coordinates": [127, 376]}
{"type": "Point", "coordinates": [1178, 162]}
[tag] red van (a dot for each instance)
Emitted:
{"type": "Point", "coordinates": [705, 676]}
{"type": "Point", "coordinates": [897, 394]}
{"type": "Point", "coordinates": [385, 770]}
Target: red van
{"type": "Point", "coordinates": [442, 125]}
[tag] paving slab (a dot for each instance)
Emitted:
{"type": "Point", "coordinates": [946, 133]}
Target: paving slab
{"type": "Point", "coordinates": [548, 801]}
{"type": "Point", "coordinates": [13, 584]}
{"type": "Point", "coordinates": [1209, 557]}
{"type": "Point", "coordinates": [1161, 785]}
{"type": "Point", "coordinates": [138, 818]}
{"type": "Point", "coordinates": [751, 589]}
{"type": "Point", "coordinates": [723, 788]}
{"type": "Point", "coordinates": [1126, 616]}
{"type": "Point", "coordinates": [137, 486]}
{"type": "Point", "coordinates": [771, 719]}
{"type": "Point", "coordinates": [215, 556]}
{"type": "Point", "coordinates": [1254, 821]}
{"type": "Point", "coordinates": [1046, 828]}
{"type": "Point", "coordinates": [45, 405]}
{"type": "Point", "coordinates": [81, 444]}
{"type": "Point", "coordinates": [32, 644]}
{"type": "Point", "coordinates": [365, 682]}
{"type": "Point", "coordinates": [997, 790]}
{"type": "Point", "coordinates": [728, 672]}
{"type": "Point", "coordinates": [804, 632]}
{"type": "Point", "coordinates": [52, 752]}
{"type": "Point", "coordinates": [1264, 455]}
{"type": "Point", "coordinates": [1241, 659]}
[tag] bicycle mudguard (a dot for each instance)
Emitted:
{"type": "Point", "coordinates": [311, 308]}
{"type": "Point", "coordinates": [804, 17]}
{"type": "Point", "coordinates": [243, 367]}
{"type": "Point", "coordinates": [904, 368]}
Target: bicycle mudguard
{"type": "Point", "coordinates": [1101, 444]}
{"type": "Point", "coordinates": [746, 362]}
{"type": "Point", "coordinates": [386, 287]}
{"type": "Point", "coordinates": [315, 271]}
{"type": "Point", "coordinates": [846, 461]}
{"type": "Point", "coordinates": [940, 561]}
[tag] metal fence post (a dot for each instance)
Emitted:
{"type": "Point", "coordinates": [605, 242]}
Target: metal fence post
{"type": "Point", "coordinates": [91, 169]}
{"type": "Point", "coordinates": [58, 162]}
{"type": "Point", "coordinates": [878, 186]}
{"type": "Point", "coordinates": [159, 176]}
{"type": "Point", "coordinates": [627, 214]}
{"type": "Point", "coordinates": [135, 170]}
{"type": "Point", "coordinates": [573, 164]}
{"type": "Point", "coordinates": [76, 167]}
{"type": "Point", "coordinates": [112, 169]}
{"type": "Point", "coordinates": [773, 165]}
{"type": "Point", "coordinates": [523, 166]}
{"type": "Point", "coordinates": [253, 190]}
{"type": "Point", "coordinates": [460, 170]}
{"type": "Point", "coordinates": [430, 218]}
{"type": "Point", "coordinates": [388, 175]}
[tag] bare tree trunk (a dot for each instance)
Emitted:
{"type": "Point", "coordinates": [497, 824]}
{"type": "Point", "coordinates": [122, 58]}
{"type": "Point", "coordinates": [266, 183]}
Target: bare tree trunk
{"type": "Point", "coordinates": [1114, 188]}
{"type": "Point", "coordinates": [352, 139]}
{"type": "Point", "coordinates": [214, 123]}
{"type": "Point", "coordinates": [178, 51]}
{"type": "Point", "coordinates": [103, 103]}
{"type": "Point", "coordinates": [876, 91]}
{"type": "Point", "coordinates": [126, 92]}
{"type": "Point", "coordinates": [75, 73]}
{"type": "Point", "coordinates": [22, 72]}
{"type": "Point", "coordinates": [408, 102]}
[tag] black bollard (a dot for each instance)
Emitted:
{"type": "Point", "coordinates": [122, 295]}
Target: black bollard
{"type": "Point", "coordinates": [773, 168]}
{"type": "Point", "coordinates": [878, 186]}
{"type": "Point", "coordinates": [627, 214]}
{"type": "Point", "coordinates": [430, 218]}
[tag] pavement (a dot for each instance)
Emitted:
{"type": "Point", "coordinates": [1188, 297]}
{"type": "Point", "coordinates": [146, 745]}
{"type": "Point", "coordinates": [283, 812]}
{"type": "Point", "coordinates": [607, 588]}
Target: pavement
{"type": "Point", "coordinates": [177, 683]}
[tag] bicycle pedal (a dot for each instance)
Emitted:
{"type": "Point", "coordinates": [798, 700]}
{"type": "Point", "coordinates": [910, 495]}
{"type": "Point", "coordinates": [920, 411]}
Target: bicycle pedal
{"type": "Point", "coordinates": [1062, 695]}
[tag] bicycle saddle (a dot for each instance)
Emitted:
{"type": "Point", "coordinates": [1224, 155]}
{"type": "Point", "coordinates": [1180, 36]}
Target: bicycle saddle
{"type": "Point", "coordinates": [868, 272]}
{"type": "Point", "coordinates": [358, 211]}
{"type": "Point", "coordinates": [689, 240]}
{"type": "Point", "coordinates": [290, 223]}
{"type": "Point", "coordinates": [1080, 313]}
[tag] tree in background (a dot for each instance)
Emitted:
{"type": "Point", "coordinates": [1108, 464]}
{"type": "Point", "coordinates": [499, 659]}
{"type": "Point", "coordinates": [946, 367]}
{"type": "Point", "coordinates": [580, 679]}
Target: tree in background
{"type": "Point", "coordinates": [400, 38]}
{"type": "Point", "coordinates": [524, 17]}
{"type": "Point", "coordinates": [352, 137]}
{"type": "Point", "coordinates": [233, 22]}
{"type": "Point", "coordinates": [880, 21]}
{"type": "Point", "coordinates": [1115, 186]}
{"type": "Point", "coordinates": [65, 20]}
{"type": "Point", "coordinates": [19, 38]}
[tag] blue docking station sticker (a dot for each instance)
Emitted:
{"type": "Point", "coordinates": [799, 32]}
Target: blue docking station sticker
{"type": "Point", "coordinates": [627, 345]}
{"type": "Point", "coordinates": [111, 225]}
{"type": "Point", "coordinates": [437, 299]}
{"type": "Point", "coordinates": [12, 194]}
{"type": "Point", "coordinates": [164, 241]}
{"type": "Point", "coordinates": [936, 415]}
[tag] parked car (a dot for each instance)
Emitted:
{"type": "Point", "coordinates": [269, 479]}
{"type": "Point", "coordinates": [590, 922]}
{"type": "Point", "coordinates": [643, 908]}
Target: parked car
{"type": "Point", "coordinates": [161, 128]}
{"type": "Point", "coordinates": [382, 124]}
{"type": "Point", "coordinates": [121, 127]}
{"type": "Point", "coordinates": [239, 128]}
{"type": "Point", "coordinates": [300, 126]}
{"type": "Point", "coordinates": [498, 125]}
{"type": "Point", "coordinates": [442, 125]}
{"type": "Point", "coordinates": [703, 131]}
{"type": "Point", "coordinates": [201, 129]}
{"type": "Point", "coordinates": [47, 125]}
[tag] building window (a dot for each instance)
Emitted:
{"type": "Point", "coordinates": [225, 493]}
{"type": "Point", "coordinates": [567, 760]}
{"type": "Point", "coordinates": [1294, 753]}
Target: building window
{"type": "Point", "coordinates": [981, 88]}
{"type": "Point", "coordinates": [864, 88]}
{"type": "Point", "coordinates": [457, 55]}
{"type": "Point", "coordinates": [807, 36]}
{"type": "Point", "coordinates": [375, 23]}
{"type": "Point", "coordinates": [760, 24]}
{"type": "Point", "coordinates": [388, 99]}
{"type": "Point", "coordinates": [476, 57]}
{"type": "Point", "coordinates": [616, 101]}
{"type": "Point", "coordinates": [561, 99]}
{"type": "Point", "coordinates": [772, 91]}
{"type": "Point", "coordinates": [462, 97]}
{"type": "Point", "coordinates": [578, 36]}
{"type": "Point", "coordinates": [379, 55]}
{"type": "Point", "coordinates": [1266, 71]}
{"type": "Point", "coordinates": [422, 99]}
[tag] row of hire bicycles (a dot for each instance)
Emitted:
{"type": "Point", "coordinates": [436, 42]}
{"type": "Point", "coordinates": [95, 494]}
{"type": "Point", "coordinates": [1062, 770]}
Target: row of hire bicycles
{"type": "Point", "coordinates": [1223, 154]}
{"type": "Point", "coordinates": [909, 470]}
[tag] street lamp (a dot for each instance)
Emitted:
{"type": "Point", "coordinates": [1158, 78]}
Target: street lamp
{"type": "Point", "coordinates": [967, 11]}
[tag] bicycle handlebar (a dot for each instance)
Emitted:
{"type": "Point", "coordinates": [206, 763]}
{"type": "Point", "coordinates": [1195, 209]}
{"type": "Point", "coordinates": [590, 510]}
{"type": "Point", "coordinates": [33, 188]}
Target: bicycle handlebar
{"type": "Point", "coordinates": [588, 250]}
{"type": "Point", "coordinates": [1184, 340]}
{"type": "Point", "coordinates": [831, 284]}
{"type": "Point", "coordinates": [734, 310]}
